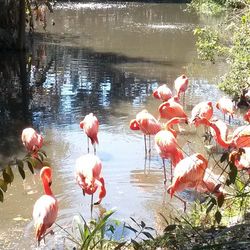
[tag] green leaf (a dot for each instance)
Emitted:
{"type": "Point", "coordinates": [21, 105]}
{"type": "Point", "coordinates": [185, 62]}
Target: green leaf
{"type": "Point", "coordinates": [135, 221]}
{"type": "Point", "coordinates": [30, 167]}
{"type": "Point", "coordinates": [149, 235]}
{"type": "Point", "coordinates": [170, 228]}
{"type": "Point", "coordinates": [220, 200]}
{"type": "Point", "coordinates": [218, 216]}
{"type": "Point", "coordinates": [8, 175]}
{"type": "Point", "coordinates": [1, 195]}
{"type": "Point", "coordinates": [21, 171]}
{"type": "Point", "coordinates": [131, 228]}
{"type": "Point", "coordinates": [3, 185]}
{"type": "Point", "coordinates": [19, 163]}
{"type": "Point", "coordinates": [143, 224]}
{"type": "Point", "coordinates": [224, 157]}
{"type": "Point", "coordinates": [210, 208]}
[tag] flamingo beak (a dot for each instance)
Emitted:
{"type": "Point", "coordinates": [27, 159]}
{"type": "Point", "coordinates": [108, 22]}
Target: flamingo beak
{"type": "Point", "coordinates": [50, 183]}
{"type": "Point", "coordinates": [83, 192]}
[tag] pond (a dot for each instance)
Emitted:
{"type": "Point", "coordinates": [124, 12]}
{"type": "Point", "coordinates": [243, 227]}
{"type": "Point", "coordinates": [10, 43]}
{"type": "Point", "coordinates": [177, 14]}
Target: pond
{"type": "Point", "coordinates": [105, 58]}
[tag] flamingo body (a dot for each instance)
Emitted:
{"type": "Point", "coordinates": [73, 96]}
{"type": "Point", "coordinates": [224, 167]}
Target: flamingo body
{"type": "Point", "coordinates": [166, 145]}
{"type": "Point", "coordinates": [46, 207]}
{"type": "Point", "coordinates": [88, 175]}
{"type": "Point", "coordinates": [163, 93]}
{"type": "Point", "coordinates": [226, 106]}
{"type": "Point", "coordinates": [90, 125]}
{"type": "Point", "coordinates": [201, 110]}
{"type": "Point", "coordinates": [188, 173]}
{"type": "Point", "coordinates": [181, 84]}
{"type": "Point", "coordinates": [31, 140]}
{"type": "Point", "coordinates": [146, 123]}
{"type": "Point", "coordinates": [169, 110]}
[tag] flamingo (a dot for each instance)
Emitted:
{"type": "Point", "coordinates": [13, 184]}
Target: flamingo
{"type": "Point", "coordinates": [201, 110]}
{"type": "Point", "coordinates": [247, 116]}
{"type": "Point", "coordinates": [89, 178]}
{"type": "Point", "coordinates": [181, 84]}
{"type": "Point", "coordinates": [239, 138]}
{"type": "Point", "coordinates": [163, 93]}
{"type": "Point", "coordinates": [222, 127]}
{"type": "Point", "coordinates": [167, 146]}
{"type": "Point", "coordinates": [226, 106]}
{"type": "Point", "coordinates": [90, 125]}
{"type": "Point", "coordinates": [31, 140]}
{"type": "Point", "coordinates": [171, 109]}
{"type": "Point", "coordinates": [46, 207]}
{"type": "Point", "coordinates": [241, 158]}
{"type": "Point", "coordinates": [188, 173]}
{"type": "Point", "coordinates": [147, 124]}
{"type": "Point", "coordinates": [211, 183]}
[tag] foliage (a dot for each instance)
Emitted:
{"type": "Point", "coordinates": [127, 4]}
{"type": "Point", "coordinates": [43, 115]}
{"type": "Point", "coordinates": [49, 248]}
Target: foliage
{"type": "Point", "coordinates": [32, 161]}
{"type": "Point", "coordinates": [230, 41]}
{"type": "Point", "coordinates": [93, 235]}
{"type": "Point", "coordinates": [100, 233]}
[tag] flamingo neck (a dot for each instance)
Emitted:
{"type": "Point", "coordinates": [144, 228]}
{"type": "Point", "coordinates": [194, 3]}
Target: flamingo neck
{"type": "Point", "coordinates": [223, 143]}
{"type": "Point", "coordinates": [46, 187]}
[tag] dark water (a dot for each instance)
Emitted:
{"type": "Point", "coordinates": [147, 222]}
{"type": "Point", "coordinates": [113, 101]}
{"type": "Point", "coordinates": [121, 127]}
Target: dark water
{"type": "Point", "coordinates": [105, 59]}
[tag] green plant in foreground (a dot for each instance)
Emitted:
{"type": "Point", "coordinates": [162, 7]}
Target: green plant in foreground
{"type": "Point", "coordinates": [31, 161]}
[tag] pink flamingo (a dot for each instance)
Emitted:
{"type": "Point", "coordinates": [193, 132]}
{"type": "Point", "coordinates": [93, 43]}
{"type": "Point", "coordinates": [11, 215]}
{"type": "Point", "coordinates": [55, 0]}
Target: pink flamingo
{"type": "Point", "coordinates": [181, 84]}
{"type": "Point", "coordinates": [46, 207]}
{"type": "Point", "coordinates": [240, 137]}
{"type": "Point", "coordinates": [147, 124]}
{"type": "Point", "coordinates": [188, 173]}
{"type": "Point", "coordinates": [88, 176]}
{"type": "Point", "coordinates": [163, 93]}
{"type": "Point", "coordinates": [223, 130]}
{"type": "Point", "coordinates": [211, 183]}
{"type": "Point", "coordinates": [226, 106]}
{"type": "Point", "coordinates": [90, 125]}
{"type": "Point", "coordinates": [167, 146]}
{"type": "Point", "coordinates": [201, 110]}
{"type": "Point", "coordinates": [171, 109]}
{"type": "Point", "coordinates": [241, 158]}
{"type": "Point", "coordinates": [247, 116]}
{"type": "Point", "coordinates": [32, 141]}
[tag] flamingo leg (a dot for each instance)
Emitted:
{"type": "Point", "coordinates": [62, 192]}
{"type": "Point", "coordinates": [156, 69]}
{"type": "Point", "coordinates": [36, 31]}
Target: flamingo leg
{"type": "Point", "coordinates": [88, 144]}
{"type": "Point", "coordinates": [184, 202]}
{"type": "Point", "coordinates": [91, 205]}
{"type": "Point", "coordinates": [94, 149]}
{"type": "Point", "coordinates": [149, 140]}
{"type": "Point", "coordinates": [171, 165]}
{"type": "Point", "coordinates": [164, 171]}
{"type": "Point", "coordinates": [145, 143]}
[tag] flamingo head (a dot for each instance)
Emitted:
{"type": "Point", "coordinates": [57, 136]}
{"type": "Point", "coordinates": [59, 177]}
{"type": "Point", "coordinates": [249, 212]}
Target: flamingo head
{"type": "Point", "coordinates": [134, 125]}
{"type": "Point", "coordinates": [156, 94]}
{"type": "Point", "coordinates": [81, 124]}
{"type": "Point", "coordinates": [236, 154]}
{"type": "Point", "coordinates": [46, 174]}
{"type": "Point", "coordinates": [217, 105]}
{"type": "Point", "coordinates": [210, 104]}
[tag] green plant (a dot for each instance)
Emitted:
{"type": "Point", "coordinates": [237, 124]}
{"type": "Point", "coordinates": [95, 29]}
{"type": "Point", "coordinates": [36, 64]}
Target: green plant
{"type": "Point", "coordinates": [30, 160]}
{"type": "Point", "coordinates": [94, 235]}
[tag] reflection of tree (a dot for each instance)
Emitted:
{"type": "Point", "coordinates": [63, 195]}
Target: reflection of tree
{"type": "Point", "coordinates": [14, 99]}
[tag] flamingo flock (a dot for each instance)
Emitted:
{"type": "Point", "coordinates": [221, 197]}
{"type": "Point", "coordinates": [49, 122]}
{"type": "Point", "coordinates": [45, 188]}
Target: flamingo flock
{"type": "Point", "coordinates": [187, 171]}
